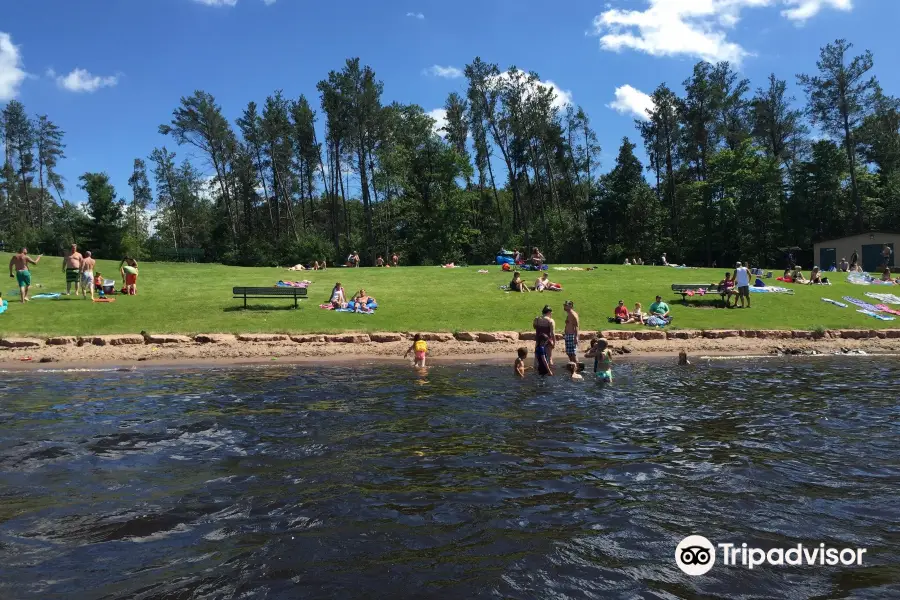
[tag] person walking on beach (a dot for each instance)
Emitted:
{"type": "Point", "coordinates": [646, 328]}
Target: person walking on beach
{"type": "Point", "coordinates": [72, 268]}
{"type": "Point", "coordinates": [87, 275]}
{"type": "Point", "coordinates": [570, 334]}
{"type": "Point", "coordinates": [545, 325]}
{"type": "Point", "coordinates": [742, 283]}
{"type": "Point", "coordinates": [20, 263]}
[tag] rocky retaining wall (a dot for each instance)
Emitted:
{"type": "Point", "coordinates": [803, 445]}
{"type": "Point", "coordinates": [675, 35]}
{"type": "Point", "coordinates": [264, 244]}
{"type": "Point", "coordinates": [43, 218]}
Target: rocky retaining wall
{"type": "Point", "coordinates": [483, 337]}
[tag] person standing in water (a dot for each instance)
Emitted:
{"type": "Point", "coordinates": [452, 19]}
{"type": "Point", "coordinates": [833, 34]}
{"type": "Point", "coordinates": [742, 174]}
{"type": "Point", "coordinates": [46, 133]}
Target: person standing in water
{"type": "Point", "coordinates": [570, 334]}
{"type": "Point", "coordinates": [602, 360]}
{"type": "Point", "coordinates": [540, 355]}
{"type": "Point", "coordinates": [87, 275]}
{"type": "Point", "coordinates": [20, 263]}
{"type": "Point", "coordinates": [419, 348]}
{"type": "Point", "coordinates": [545, 324]}
{"type": "Point", "coordinates": [72, 268]}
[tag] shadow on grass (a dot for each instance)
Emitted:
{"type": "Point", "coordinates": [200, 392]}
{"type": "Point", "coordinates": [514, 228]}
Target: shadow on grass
{"type": "Point", "coordinates": [258, 308]}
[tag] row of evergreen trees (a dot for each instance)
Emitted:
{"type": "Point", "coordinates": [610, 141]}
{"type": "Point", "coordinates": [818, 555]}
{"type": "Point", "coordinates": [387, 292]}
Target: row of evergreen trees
{"type": "Point", "coordinates": [733, 174]}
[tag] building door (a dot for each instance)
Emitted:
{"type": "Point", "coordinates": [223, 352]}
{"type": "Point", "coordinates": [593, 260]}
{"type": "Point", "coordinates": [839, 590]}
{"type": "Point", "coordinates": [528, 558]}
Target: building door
{"type": "Point", "coordinates": [827, 258]}
{"type": "Point", "coordinates": [871, 257]}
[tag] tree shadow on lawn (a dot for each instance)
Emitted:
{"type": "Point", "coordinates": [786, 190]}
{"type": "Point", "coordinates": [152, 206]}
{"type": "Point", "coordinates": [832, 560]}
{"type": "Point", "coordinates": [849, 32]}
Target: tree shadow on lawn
{"type": "Point", "coordinates": [259, 308]}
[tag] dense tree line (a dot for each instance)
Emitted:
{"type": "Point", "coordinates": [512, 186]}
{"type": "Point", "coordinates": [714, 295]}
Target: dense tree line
{"type": "Point", "coordinates": [732, 173]}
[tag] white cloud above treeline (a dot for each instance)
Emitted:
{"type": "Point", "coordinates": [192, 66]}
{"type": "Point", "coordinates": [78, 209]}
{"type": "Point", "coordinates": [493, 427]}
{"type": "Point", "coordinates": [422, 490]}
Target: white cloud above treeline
{"type": "Point", "coordinates": [446, 72]}
{"type": "Point", "coordinates": [414, 15]}
{"type": "Point", "coordinates": [440, 120]}
{"type": "Point", "coordinates": [632, 101]}
{"type": "Point", "coordinates": [695, 28]}
{"type": "Point", "coordinates": [11, 72]}
{"type": "Point", "coordinates": [82, 80]}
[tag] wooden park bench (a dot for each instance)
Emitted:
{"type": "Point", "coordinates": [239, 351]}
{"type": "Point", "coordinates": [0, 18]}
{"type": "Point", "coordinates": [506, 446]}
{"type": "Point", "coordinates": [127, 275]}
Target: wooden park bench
{"type": "Point", "coordinates": [685, 290]}
{"type": "Point", "coordinates": [269, 292]}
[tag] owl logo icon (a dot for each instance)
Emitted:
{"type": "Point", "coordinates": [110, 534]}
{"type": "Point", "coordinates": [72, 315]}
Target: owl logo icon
{"type": "Point", "coordinates": [695, 555]}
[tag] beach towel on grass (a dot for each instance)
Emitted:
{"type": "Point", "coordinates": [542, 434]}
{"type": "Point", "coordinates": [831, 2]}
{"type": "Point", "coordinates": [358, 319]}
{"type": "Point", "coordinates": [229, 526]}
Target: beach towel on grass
{"type": "Point", "coordinates": [770, 289]}
{"type": "Point", "coordinates": [887, 309]}
{"type": "Point", "coordinates": [3, 306]}
{"type": "Point", "coordinates": [875, 315]}
{"type": "Point", "coordinates": [45, 297]}
{"type": "Point", "coordinates": [293, 284]}
{"type": "Point", "coordinates": [835, 302]}
{"type": "Point", "coordinates": [861, 304]}
{"type": "Point", "coordinates": [885, 298]}
{"type": "Point", "coordinates": [326, 306]}
{"type": "Point", "coordinates": [658, 321]}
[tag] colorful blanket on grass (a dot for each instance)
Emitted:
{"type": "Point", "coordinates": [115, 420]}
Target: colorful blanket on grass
{"type": "Point", "coordinates": [861, 304]}
{"type": "Point", "coordinates": [45, 297]}
{"type": "Point", "coordinates": [885, 298]}
{"type": "Point", "coordinates": [875, 315]}
{"type": "Point", "coordinates": [835, 302]}
{"type": "Point", "coordinates": [293, 284]}
{"type": "Point", "coordinates": [771, 289]}
{"type": "Point", "coordinates": [866, 279]}
{"type": "Point", "coordinates": [658, 321]}
{"type": "Point", "coordinates": [887, 309]}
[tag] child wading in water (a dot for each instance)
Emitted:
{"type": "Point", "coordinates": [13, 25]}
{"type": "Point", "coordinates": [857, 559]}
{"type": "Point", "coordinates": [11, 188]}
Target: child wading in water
{"type": "Point", "coordinates": [520, 362]}
{"type": "Point", "coordinates": [540, 355]}
{"type": "Point", "coordinates": [602, 359]}
{"type": "Point", "coordinates": [420, 349]}
{"type": "Point", "coordinates": [573, 371]}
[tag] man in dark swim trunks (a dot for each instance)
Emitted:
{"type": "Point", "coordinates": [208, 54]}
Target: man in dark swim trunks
{"type": "Point", "coordinates": [72, 269]}
{"type": "Point", "coordinates": [570, 333]}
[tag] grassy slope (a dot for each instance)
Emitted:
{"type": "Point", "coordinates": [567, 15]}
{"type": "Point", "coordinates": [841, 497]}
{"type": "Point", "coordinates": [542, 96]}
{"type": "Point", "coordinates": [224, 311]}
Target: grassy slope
{"type": "Point", "coordinates": [185, 298]}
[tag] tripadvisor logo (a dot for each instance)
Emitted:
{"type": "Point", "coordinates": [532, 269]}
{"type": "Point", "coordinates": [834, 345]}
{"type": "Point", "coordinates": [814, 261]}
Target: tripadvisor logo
{"type": "Point", "coordinates": [696, 555]}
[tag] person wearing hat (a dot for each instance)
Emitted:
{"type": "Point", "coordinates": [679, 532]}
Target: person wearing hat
{"type": "Point", "coordinates": [544, 324]}
{"type": "Point", "coordinates": [742, 283]}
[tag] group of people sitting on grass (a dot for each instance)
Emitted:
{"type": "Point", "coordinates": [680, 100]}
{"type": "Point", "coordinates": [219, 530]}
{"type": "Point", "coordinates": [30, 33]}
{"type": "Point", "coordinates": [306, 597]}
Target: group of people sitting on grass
{"type": "Point", "coordinates": [636, 261]}
{"type": "Point", "coordinates": [536, 260]}
{"type": "Point", "coordinates": [542, 284]}
{"type": "Point", "coordinates": [359, 301]}
{"type": "Point", "coordinates": [622, 316]}
{"type": "Point", "coordinates": [795, 275]}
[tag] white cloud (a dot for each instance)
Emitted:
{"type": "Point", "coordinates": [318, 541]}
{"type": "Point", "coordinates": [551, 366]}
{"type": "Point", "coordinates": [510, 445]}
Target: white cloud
{"type": "Point", "coordinates": [219, 2]}
{"type": "Point", "coordinates": [630, 100]}
{"type": "Point", "coordinates": [413, 15]}
{"type": "Point", "coordinates": [80, 80]}
{"type": "Point", "coordinates": [11, 72]}
{"type": "Point", "coordinates": [440, 121]}
{"type": "Point", "coordinates": [561, 98]}
{"type": "Point", "coordinates": [269, 2]}
{"type": "Point", "coordinates": [806, 9]}
{"type": "Point", "coordinates": [696, 28]}
{"type": "Point", "coordinates": [446, 72]}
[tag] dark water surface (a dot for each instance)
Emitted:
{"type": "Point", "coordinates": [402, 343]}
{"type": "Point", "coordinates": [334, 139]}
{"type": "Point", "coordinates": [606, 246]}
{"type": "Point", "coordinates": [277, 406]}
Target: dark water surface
{"type": "Point", "coordinates": [375, 482]}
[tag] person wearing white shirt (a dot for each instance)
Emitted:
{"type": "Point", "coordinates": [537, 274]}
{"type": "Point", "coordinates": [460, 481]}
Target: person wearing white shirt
{"type": "Point", "coordinates": [742, 283]}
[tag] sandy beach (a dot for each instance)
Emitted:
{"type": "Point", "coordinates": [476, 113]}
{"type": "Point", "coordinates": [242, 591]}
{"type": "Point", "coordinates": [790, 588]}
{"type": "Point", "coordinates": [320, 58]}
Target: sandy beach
{"type": "Point", "coordinates": [182, 351]}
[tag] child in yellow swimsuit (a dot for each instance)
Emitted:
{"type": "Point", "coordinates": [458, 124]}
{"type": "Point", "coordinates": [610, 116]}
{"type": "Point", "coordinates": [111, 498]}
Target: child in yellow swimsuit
{"type": "Point", "coordinates": [420, 350]}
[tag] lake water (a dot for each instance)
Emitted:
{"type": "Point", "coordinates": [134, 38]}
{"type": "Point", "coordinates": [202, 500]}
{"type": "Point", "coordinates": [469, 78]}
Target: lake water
{"type": "Point", "coordinates": [378, 482]}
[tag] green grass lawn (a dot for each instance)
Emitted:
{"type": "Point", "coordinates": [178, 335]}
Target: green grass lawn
{"type": "Point", "coordinates": [196, 298]}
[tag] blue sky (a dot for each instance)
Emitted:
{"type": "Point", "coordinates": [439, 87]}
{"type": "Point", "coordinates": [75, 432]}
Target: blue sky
{"type": "Point", "coordinates": [110, 71]}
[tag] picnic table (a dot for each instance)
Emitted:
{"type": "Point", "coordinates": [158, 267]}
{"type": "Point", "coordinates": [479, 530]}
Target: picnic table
{"type": "Point", "coordinates": [269, 292]}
